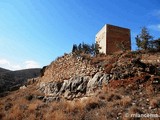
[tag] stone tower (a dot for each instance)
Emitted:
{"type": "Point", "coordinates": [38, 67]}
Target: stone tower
{"type": "Point", "coordinates": [113, 39]}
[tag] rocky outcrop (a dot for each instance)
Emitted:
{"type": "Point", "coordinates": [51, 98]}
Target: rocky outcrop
{"type": "Point", "coordinates": [74, 87]}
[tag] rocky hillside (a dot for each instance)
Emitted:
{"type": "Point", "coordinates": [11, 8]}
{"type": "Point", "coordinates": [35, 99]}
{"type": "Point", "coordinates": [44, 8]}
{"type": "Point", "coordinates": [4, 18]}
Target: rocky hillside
{"type": "Point", "coordinates": [2, 70]}
{"type": "Point", "coordinates": [106, 87]}
{"type": "Point", "coordinates": [12, 80]}
{"type": "Point", "coordinates": [71, 77]}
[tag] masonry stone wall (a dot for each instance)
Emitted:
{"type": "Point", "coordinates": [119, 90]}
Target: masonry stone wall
{"type": "Point", "coordinates": [116, 38]}
{"type": "Point", "coordinates": [112, 38]}
{"type": "Point", "coordinates": [67, 66]}
{"type": "Point", "coordinates": [101, 39]}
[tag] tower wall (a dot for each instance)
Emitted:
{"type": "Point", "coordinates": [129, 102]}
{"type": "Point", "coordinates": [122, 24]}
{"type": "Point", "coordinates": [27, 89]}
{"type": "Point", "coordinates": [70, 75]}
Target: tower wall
{"type": "Point", "coordinates": [113, 39]}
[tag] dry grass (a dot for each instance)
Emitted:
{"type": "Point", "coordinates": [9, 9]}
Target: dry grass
{"type": "Point", "coordinates": [149, 90]}
{"type": "Point", "coordinates": [56, 115]}
{"type": "Point", "coordinates": [113, 96]}
{"type": "Point", "coordinates": [155, 102]}
{"type": "Point", "coordinates": [108, 104]}
{"type": "Point", "coordinates": [15, 113]}
{"type": "Point", "coordinates": [126, 101]}
{"type": "Point", "coordinates": [31, 116]}
{"type": "Point", "coordinates": [111, 103]}
{"type": "Point", "coordinates": [32, 106]}
{"type": "Point", "coordinates": [132, 111]}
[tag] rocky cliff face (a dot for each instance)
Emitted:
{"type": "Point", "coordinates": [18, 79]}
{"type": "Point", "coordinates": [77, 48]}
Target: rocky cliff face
{"type": "Point", "coordinates": [73, 77]}
{"type": "Point", "coordinates": [74, 87]}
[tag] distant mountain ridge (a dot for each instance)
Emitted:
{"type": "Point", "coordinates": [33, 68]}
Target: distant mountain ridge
{"type": "Point", "coordinates": [12, 80]}
{"type": "Point", "coordinates": [2, 70]}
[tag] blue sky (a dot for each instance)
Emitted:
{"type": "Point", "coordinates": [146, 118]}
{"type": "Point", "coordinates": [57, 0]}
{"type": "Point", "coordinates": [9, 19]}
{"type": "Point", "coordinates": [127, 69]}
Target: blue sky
{"type": "Point", "coordinates": [35, 32]}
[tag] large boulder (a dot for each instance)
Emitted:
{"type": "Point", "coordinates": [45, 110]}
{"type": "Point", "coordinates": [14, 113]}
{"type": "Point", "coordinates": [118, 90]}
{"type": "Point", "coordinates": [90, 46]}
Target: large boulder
{"type": "Point", "coordinates": [97, 81]}
{"type": "Point", "coordinates": [53, 88]}
{"type": "Point", "coordinates": [75, 84]}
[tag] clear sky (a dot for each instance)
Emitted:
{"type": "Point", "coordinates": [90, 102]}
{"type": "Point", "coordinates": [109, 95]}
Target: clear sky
{"type": "Point", "coordinates": [35, 32]}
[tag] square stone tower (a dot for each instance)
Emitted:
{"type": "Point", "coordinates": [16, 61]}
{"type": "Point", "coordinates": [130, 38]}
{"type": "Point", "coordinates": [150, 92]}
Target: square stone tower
{"type": "Point", "coordinates": [113, 39]}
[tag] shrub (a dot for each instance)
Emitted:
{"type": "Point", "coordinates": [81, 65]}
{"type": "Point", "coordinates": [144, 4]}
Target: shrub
{"type": "Point", "coordinates": [155, 102]}
{"type": "Point", "coordinates": [92, 105]}
{"type": "Point", "coordinates": [29, 97]}
{"type": "Point", "coordinates": [125, 101]}
{"type": "Point", "coordinates": [113, 97]}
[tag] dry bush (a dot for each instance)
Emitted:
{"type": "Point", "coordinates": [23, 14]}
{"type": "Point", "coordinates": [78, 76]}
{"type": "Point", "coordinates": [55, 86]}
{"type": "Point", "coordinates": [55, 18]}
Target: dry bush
{"type": "Point", "coordinates": [102, 96]}
{"type": "Point", "coordinates": [66, 106]}
{"type": "Point", "coordinates": [68, 110]}
{"type": "Point", "coordinates": [96, 114]}
{"type": "Point", "coordinates": [92, 105]}
{"type": "Point", "coordinates": [33, 105]}
{"type": "Point", "coordinates": [105, 88]}
{"type": "Point", "coordinates": [96, 60]}
{"type": "Point", "coordinates": [150, 90]}
{"type": "Point", "coordinates": [79, 105]}
{"type": "Point", "coordinates": [2, 115]}
{"type": "Point", "coordinates": [56, 115]}
{"type": "Point", "coordinates": [86, 56]}
{"type": "Point", "coordinates": [63, 105]}
{"type": "Point", "coordinates": [69, 106]}
{"type": "Point", "coordinates": [89, 100]}
{"type": "Point", "coordinates": [126, 101]}
{"type": "Point", "coordinates": [155, 102]}
{"type": "Point", "coordinates": [15, 113]}
{"type": "Point", "coordinates": [132, 111]}
{"type": "Point", "coordinates": [108, 89]}
{"type": "Point", "coordinates": [19, 100]}
{"type": "Point", "coordinates": [8, 106]}
{"type": "Point", "coordinates": [111, 93]}
{"type": "Point", "coordinates": [113, 97]}
{"type": "Point", "coordinates": [31, 116]}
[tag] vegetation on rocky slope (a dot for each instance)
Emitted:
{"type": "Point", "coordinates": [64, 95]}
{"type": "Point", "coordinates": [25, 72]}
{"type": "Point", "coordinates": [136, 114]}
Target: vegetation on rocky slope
{"type": "Point", "coordinates": [87, 88]}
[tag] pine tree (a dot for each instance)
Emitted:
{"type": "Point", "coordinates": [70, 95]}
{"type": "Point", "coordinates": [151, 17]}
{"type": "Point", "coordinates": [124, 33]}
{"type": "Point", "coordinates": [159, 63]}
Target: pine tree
{"type": "Point", "coordinates": [138, 42]}
{"type": "Point", "coordinates": [142, 40]}
{"type": "Point", "coordinates": [74, 49]}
